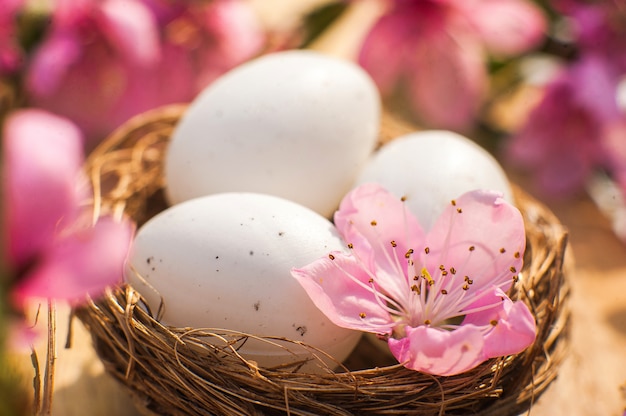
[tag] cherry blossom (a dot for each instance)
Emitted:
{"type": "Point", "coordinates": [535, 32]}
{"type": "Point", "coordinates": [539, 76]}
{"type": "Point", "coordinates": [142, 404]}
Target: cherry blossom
{"type": "Point", "coordinates": [53, 249]}
{"type": "Point", "coordinates": [102, 62]}
{"type": "Point", "coordinates": [440, 297]}
{"type": "Point", "coordinates": [577, 128]}
{"type": "Point", "coordinates": [434, 52]}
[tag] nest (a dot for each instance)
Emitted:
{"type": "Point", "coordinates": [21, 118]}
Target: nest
{"type": "Point", "coordinates": [193, 371]}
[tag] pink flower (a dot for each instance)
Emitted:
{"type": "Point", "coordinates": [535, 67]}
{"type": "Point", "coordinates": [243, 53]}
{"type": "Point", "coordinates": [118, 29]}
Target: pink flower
{"type": "Point", "coordinates": [434, 51]}
{"type": "Point", "coordinates": [578, 126]}
{"type": "Point", "coordinates": [10, 51]}
{"type": "Point", "coordinates": [53, 249]}
{"type": "Point", "coordinates": [565, 137]}
{"type": "Point", "coordinates": [206, 40]}
{"type": "Point", "coordinates": [87, 60]}
{"type": "Point", "coordinates": [599, 28]}
{"type": "Point", "coordinates": [438, 297]}
{"type": "Point", "coordinates": [103, 62]}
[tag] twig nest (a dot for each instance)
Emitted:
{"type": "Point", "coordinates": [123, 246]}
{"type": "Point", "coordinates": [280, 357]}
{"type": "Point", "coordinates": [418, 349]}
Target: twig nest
{"type": "Point", "coordinates": [175, 370]}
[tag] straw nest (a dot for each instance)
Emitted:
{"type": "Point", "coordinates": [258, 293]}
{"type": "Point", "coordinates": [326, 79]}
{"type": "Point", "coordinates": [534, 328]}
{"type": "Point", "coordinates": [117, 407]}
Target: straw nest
{"type": "Point", "coordinates": [184, 371]}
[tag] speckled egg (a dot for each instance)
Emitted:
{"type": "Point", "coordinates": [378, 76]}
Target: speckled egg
{"type": "Point", "coordinates": [224, 261]}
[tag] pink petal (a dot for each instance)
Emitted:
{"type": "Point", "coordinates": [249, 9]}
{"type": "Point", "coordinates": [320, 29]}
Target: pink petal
{"type": "Point", "coordinates": [21, 337]}
{"type": "Point", "coordinates": [515, 329]}
{"type": "Point", "coordinates": [43, 159]}
{"type": "Point", "coordinates": [81, 263]}
{"type": "Point", "coordinates": [236, 28]}
{"type": "Point", "coordinates": [233, 36]}
{"type": "Point", "coordinates": [446, 79]}
{"type": "Point", "coordinates": [344, 300]}
{"type": "Point", "coordinates": [9, 7]}
{"type": "Point", "coordinates": [594, 83]}
{"type": "Point", "coordinates": [10, 50]}
{"type": "Point", "coordinates": [373, 217]}
{"type": "Point", "coordinates": [385, 51]}
{"type": "Point", "coordinates": [439, 352]}
{"type": "Point", "coordinates": [508, 27]}
{"type": "Point", "coordinates": [481, 236]}
{"type": "Point", "coordinates": [373, 220]}
{"type": "Point", "coordinates": [568, 123]}
{"type": "Point", "coordinates": [51, 63]}
{"type": "Point", "coordinates": [132, 29]}
{"type": "Point", "coordinates": [69, 13]}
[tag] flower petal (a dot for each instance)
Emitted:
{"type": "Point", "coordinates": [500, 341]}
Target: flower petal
{"type": "Point", "coordinates": [568, 122]}
{"type": "Point", "coordinates": [386, 64]}
{"type": "Point", "coordinates": [20, 336]}
{"type": "Point", "coordinates": [448, 80]}
{"type": "Point", "coordinates": [514, 328]}
{"type": "Point", "coordinates": [482, 237]}
{"type": "Point", "coordinates": [339, 288]}
{"type": "Point", "coordinates": [43, 158]}
{"type": "Point", "coordinates": [508, 27]}
{"type": "Point", "coordinates": [439, 352]}
{"type": "Point", "coordinates": [81, 263]}
{"type": "Point", "coordinates": [132, 29]}
{"type": "Point", "coordinates": [51, 62]}
{"type": "Point", "coordinates": [381, 231]}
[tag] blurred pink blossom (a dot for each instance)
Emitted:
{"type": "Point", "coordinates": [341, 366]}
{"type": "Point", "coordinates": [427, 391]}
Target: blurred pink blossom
{"type": "Point", "coordinates": [435, 51]}
{"type": "Point", "coordinates": [599, 28]}
{"type": "Point", "coordinates": [53, 250]}
{"type": "Point", "coordinates": [10, 51]}
{"type": "Point", "coordinates": [563, 140]}
{"type": "Point", "coordinates": [578, 126]}
{"type": "Point", "coordinates": [103, 62]}
{"type": "Point", "coordinates": [438, 297]}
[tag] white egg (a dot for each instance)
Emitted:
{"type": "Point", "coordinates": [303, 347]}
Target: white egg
{"type": "Point", "coordinates": [296, 124]}
{"type": "Point", "coordinates": [430, 168]}
{"type": "Point", "coordinates": [224, 261]}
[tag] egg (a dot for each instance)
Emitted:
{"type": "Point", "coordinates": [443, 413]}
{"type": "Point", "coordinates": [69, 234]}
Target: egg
{"type": "Point", "coordinates": [224, 261]}
{"type": "Point", "coordinates": [295, 124]}
{"type": "Point", "coordinates": [430, 168]}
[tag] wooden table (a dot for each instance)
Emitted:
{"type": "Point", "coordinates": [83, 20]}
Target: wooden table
{"type": "Point", "coordinates": [592, 381]}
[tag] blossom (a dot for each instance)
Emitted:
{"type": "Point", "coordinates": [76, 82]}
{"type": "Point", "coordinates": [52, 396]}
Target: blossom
{"type": "Point", "coordinates": [53, 249]}
{"type": "Point", "coordinates": [205, 40]}
{"type": "Point", "coordinates": [573, 130]}
{"type": "Point", "coordinates": [103, 62]}
{"type": "Point", "coordinates": [434, 51]}
{"type": "Point", "coordinates": [598, 28]}
{"type": "Point", "coordinates": [562, 139]}
{"type": "Point", "coordinates": [438, 297]}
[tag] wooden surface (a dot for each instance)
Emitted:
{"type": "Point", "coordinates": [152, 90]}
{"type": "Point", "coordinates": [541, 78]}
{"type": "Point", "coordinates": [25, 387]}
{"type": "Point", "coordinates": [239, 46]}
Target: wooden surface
{"type": "Point", "coordinates": [592, 381]}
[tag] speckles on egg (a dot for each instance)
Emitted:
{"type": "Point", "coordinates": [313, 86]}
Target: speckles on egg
{"type": "Point", "coordinates": [232, 264]}
{"type": "Point", "coordinates": [301, 329]}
